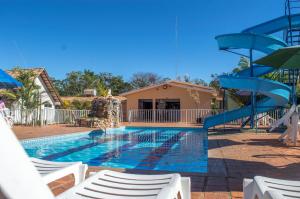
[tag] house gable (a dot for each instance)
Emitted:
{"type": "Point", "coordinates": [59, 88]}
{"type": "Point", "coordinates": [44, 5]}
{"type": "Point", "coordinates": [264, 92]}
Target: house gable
{"type": "Point", "coordinates": [189, 97]}
{"type": "Point", "coordinates": [42, 79]}
{"type": "Point", "coordinates": [174, 83]}
{"type": "Point", "coordinates": [50, 88]}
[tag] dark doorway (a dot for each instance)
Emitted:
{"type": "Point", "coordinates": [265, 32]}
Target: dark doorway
{"type": "Point", "coordinates": [145, 104]}
{"type": "Point", "coordinates": [145, 111]}
{"type": "Point", "coordinates": [173, 105]}
{"type": "Point", "coordinates": [168, 110]}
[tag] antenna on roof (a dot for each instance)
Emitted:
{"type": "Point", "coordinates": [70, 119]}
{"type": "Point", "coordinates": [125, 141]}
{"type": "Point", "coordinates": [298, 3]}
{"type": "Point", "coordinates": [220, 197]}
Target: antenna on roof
{"type": "Point", "coordinates": [177, 49]}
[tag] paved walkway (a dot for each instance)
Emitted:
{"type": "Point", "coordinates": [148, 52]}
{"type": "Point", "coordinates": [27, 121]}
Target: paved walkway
{"type": "Point", "coordinates": [232, 157]}
{"type": "Point", "coordinates": [23, 132]}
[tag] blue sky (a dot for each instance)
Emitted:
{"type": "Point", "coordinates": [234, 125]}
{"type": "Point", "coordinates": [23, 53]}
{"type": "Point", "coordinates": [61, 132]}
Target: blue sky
{"type": "Point", "coordinates": [126, 36]}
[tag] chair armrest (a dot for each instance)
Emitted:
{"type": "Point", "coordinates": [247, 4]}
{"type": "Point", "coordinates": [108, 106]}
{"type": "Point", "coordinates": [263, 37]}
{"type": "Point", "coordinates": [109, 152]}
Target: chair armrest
{"type": "Point", "coordinates": [271, 194]}
{"type": "Point", "coordinates": [186, 187]}
{"type": "Point", "coordinates": [247, 188]}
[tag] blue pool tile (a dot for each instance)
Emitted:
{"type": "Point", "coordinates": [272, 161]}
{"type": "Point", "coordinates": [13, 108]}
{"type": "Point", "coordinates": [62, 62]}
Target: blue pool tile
{"type": "Point", "coordinates": [172, 149]}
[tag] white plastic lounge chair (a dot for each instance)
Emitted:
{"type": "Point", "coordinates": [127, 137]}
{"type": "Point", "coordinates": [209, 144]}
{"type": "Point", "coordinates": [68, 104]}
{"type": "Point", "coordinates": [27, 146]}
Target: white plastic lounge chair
{"type": "Point", "coordinates": [116, 185]}
{"type": "Point", "coordinates": [19, 179]}
{"type": "Point", "coordinates": [265, 188]}
{"type": "Point", "coordinates": [272, 195]}
{"type": "Point", "coordinates": [51, 171]}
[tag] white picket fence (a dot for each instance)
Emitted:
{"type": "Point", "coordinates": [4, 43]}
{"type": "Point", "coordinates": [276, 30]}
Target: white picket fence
{"type": "Point", "coordinates": [164, 115]}
{"type": "Point", "coordinates": [192, 116]}
{"type": "Point", "coordinates": [46, 116]}
{"type": "Point", "coordinates": [189, 116]}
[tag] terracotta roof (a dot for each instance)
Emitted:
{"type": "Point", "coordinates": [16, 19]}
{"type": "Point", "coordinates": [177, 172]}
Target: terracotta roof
{"type": "Point", "coordinates": [72, 98]}
{"type": "Point", "coordinates": [79, 98]}
{"type": "Point", "coordinates": [178, 84]}
{"type": "Point", "coordinates": [36, 71]}
{"type": "Point", "coordinates": [121, 98]}
{"type": "Point", "coordinates": [41, 72]}
{"type": "Point", "coordinates": [192, 85]}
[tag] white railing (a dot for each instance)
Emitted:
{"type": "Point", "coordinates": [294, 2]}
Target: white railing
{"type": "Point", "coordinates": [68, 116]}
{"type": "Point", "coordinates": [193, 116]}
{"type": "Point", "coordinates": [46, 116]}
{"type": "Point", "coordinates": [168, 115]}
{"type": "Point", "coordinates": [262, 119]}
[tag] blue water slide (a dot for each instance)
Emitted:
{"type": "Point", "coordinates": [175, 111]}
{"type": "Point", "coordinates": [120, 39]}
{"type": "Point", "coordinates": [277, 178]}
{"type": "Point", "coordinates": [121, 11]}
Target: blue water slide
{"type": "Point", "coordinates": [275, 25]}
{"type": "Point", "coordinates": [276, 94]}
{"type": "Point", "coordinates": [263, 43]}
{"type": "Point", "coordinates": [258, 70]}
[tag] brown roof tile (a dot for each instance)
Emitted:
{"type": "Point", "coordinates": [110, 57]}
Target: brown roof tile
{"type": "Point", "coordinates": [41, 72]}
{"type": "Point", "coordinates": [175, 83]}
{"type": "Point", "coordinates": [80, 98]}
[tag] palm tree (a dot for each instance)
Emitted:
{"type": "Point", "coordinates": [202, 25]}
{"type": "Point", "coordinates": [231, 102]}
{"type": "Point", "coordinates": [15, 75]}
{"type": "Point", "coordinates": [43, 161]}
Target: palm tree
{"type": "Point", "coordinates": [29, 96]}
{"type": "Point", "coordinates": [8, 95]}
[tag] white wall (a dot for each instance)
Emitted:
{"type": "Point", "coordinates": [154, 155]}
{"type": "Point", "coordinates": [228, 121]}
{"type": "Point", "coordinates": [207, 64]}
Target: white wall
{"type": "Point", "coordinates": [45, 96]}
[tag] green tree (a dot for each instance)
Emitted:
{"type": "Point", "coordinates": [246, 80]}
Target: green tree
{"type": "Point", "coordinates": [29, 94]}
{"type": "Point", "coordinates": [140, 80]}
{"type": "Point", "coordinates": [58, 84]}
{"type": "Point", "coordinates": [72, 84]}
{"type": "Point", "coordinates": [102, 90]}
{"type": "Point", "coordinates": [116, 83]}
{"type": "Point", "coordinates": [76, 81]}
{"type": "Point", "coordinates": [214, 83]}
{"type": "Point", "coordinates": [87, 80]}
{"type": "Point", "coordinates": [199, 81]}
{"type": "Point", "coordinates": [242, 65]}
{"type": "Point", "coordinates": [187, 78]}
{"type": "Point", "coordinates": [9, 97]}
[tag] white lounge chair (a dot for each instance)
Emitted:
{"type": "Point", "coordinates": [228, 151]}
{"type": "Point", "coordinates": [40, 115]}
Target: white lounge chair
{"type": "Point", "coordinates": [51, 171]}
{"type": "Point", "coordinates": [19, 179]}
{"type": "Point", "coordinates": [265, 188]}
{"type": "Point", "coordinates": [272, 195]}
{"type": "Point", "coordinates": [116, 185]}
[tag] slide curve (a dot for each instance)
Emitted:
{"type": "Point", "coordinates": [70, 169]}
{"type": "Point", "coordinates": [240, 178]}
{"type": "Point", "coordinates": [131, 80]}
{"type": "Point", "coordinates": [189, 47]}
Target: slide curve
{"type": "Point", "coordinates": [275, 25]}
{"type": "Point", "coordinates": [275, 93]}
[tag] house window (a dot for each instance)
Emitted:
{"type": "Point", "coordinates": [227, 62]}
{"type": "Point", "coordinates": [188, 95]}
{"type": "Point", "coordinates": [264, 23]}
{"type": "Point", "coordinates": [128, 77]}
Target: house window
{"type": "Point", "coordinates": [173, 104]}
{"type": "Point", "coordinates": [47, 105]}
{"type": "Point", "coordinates": [145, 104]}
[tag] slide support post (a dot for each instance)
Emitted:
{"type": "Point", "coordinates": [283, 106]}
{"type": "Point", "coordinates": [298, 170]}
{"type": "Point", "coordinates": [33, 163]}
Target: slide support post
{"type": "Point", "coordinates": [252, 116]}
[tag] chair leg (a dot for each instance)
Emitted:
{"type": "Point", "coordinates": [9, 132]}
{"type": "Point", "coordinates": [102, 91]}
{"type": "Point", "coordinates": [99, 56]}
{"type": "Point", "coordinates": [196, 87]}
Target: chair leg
{"type": "Point", "coordinates": [248, 188]}
{"type": "Point", "coordinates": [186, 188]}
{"type": "Point", "coordinates": [80, 175]}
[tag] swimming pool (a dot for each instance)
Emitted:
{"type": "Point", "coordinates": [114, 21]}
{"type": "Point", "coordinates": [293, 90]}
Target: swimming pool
{"type": "Point", "coordinates": [171, 149]}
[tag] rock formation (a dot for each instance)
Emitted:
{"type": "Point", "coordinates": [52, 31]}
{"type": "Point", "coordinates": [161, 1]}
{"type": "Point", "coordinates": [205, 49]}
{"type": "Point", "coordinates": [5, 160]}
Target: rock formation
{"type": "Point", "coordinates": [106, 112]}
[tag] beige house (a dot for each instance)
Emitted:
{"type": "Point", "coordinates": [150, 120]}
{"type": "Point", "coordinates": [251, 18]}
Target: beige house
{"type": "Point", "coordinates": [172, 98]}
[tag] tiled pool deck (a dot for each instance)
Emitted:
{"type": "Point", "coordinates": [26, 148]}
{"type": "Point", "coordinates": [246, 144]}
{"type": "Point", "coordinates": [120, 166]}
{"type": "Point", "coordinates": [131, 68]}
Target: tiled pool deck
{"type": "Point", "coordinates": [232, 157]}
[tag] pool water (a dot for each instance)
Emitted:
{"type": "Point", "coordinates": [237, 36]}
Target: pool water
{"type": "Point", "coordinates": [171, 149]}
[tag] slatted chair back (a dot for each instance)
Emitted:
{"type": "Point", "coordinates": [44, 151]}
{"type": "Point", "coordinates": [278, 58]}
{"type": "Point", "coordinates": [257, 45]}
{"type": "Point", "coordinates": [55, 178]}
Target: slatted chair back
{"type": "Point", "coordinates": [18, 177]}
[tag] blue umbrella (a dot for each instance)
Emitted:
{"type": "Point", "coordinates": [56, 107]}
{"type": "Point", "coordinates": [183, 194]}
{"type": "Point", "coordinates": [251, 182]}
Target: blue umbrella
{"type": "Point", "coordinates": [7, 81]}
